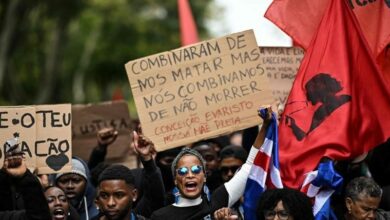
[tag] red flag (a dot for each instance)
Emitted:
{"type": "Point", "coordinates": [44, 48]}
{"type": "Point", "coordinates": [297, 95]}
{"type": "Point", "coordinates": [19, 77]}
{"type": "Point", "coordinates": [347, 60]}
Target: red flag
{"type": "Point", "coordinates": [118, 94]}
{"type": "Point", "coordinates": [189, 33]}
{"type": "Point", "coordinates": [384, 63]}
{"type": "Point", "coordinates": [374, 20]}
{"type": "Point", "coordinates": [339, 105]}
{"type": "Point", "coordinates": [300, 20]}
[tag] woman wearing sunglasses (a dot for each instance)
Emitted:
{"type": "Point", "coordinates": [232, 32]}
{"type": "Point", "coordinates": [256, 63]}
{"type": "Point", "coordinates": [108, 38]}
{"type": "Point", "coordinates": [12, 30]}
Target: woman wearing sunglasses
{"type": "Point", "coordinates": [192, 201]}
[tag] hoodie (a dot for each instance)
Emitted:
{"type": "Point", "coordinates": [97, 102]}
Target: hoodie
{"type": "Point", "coordinates": [85, 207]}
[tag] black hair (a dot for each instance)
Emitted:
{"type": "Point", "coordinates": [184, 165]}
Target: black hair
{"type": "Point", "coordinates": [219, 142]}
{"type": "Point", "coordinates": [117, 172]}
{"type": "Point", "coordinates": [96, 171]}
{"type": "Point", "coordinates": [362, 186]}
{"type": "Point", "coordinates": [233, 151]}
{"type": "Point", "coordinates": [170, 152]}
{"type": "Point", "coordinates": [295, 202]}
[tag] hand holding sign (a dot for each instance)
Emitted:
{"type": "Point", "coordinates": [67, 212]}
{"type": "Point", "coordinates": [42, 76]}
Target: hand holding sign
{"type": "Point", "coordinates": [42, 134]}
{"type": "Point", "coordinates": [142, 146]}
{"type": "Point", "coordinates": [12, 146]}
{"type": "Point", "coordinates": [15, 165]}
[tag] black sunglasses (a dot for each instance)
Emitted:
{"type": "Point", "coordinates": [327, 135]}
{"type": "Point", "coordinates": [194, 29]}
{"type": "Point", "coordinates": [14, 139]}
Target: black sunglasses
{"type": "Point", "coordinates": [233, 169]}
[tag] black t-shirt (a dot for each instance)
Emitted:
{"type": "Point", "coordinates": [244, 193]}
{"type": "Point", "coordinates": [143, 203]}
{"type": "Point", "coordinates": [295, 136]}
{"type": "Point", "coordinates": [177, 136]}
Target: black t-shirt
{"type": "Point", "coordinates": [204, 210]}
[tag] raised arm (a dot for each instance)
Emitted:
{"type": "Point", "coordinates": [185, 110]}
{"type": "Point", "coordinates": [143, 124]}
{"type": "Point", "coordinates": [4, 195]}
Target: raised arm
{"type": "Point", "coordinates": [152, 182]}
{"type": "Point", "coordinates": [236, 186]}
{"type": "Point", "coordinates": [105, 137]}
{"type": "Point", "coordinates": [35, 204]}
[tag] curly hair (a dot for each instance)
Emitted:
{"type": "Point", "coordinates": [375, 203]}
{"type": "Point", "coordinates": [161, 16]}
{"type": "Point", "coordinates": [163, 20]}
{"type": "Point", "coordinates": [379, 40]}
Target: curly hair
{"type": "Point", "coordinates": [295, 202]}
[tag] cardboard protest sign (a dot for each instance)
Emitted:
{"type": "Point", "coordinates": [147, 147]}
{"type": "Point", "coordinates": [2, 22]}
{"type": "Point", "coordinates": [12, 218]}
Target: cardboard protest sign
{"type": "Point", "coordinates": [281, 64]}
{"type": "Point", "coordinates": [43, 134]}
{"type": "Point", "coordinates": [89, 119]}
{"type": "Point", "coordinates": [199, 91]}
{"type": "Point", "coordinates": [53, 146]}
{"type": "Point", "coordinates": [17, 128]}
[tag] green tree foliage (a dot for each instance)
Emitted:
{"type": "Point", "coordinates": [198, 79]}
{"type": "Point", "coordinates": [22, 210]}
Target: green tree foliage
{"type": "Point", "coordinates": [54, 51]}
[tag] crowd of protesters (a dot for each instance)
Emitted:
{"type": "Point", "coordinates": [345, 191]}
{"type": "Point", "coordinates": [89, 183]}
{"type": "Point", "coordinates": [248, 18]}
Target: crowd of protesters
{"type": "Point", "coordinates": [204, 180]}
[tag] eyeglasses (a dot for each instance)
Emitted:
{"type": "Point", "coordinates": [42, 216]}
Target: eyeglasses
{"type": "Point", "coordinates": [233, 169]}
{"type": "Point", "coordinates": [282, 214]}
{"type": "Point", "coordinates": [196, 169]}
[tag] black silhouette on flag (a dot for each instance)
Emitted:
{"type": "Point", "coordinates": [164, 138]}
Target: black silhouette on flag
{"type": "Point", "coordinates": [322, 88]}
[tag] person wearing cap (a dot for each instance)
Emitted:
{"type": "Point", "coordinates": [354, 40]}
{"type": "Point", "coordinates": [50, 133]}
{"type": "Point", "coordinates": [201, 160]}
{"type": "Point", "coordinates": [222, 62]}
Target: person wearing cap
{"type": "Point", "coordinates": [78, 189]}
{"type": "Point", "coordinates": [191, 202]}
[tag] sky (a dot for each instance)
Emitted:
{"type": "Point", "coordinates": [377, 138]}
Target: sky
{"type": "Point", "coordinates": [248, 14]}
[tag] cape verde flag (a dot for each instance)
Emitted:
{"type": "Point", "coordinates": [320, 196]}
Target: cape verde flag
{"type": "Point", "coordinates": [320, 185]}
{"type": "Point", "coordinates": [266, 162]}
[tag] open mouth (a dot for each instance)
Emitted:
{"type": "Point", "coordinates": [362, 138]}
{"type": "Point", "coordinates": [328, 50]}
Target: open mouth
{"type": "Point", "coordinates": [191, 186]}
{"type": "Point", "coordinates": [59, 213]}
